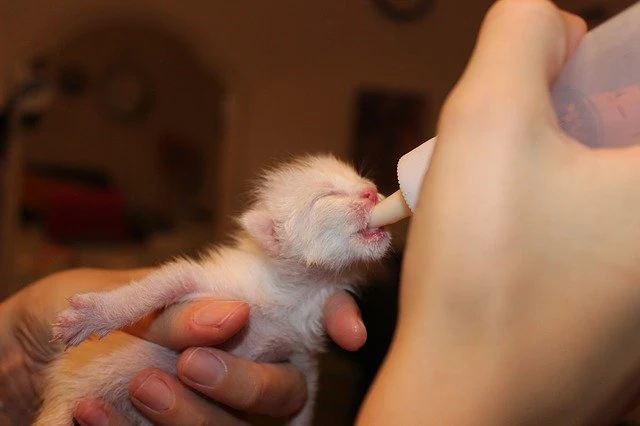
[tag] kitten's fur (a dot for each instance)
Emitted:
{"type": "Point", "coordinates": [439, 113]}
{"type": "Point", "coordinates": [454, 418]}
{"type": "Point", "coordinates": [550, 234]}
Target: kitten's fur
{"type": "Point", "coordinates": [304, 238]}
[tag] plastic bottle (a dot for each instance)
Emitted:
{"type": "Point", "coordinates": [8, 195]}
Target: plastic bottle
{"type": "Point", "coordinates": [596, 99]}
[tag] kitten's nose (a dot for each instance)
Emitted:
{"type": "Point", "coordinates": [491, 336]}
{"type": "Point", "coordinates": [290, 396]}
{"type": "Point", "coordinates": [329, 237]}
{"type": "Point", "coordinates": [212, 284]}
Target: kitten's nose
{"type": "Point", "coordinates": [371, 194]}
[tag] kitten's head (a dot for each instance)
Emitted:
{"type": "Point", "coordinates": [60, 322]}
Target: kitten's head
{"type": "Point", "coordinates": [315, 210]}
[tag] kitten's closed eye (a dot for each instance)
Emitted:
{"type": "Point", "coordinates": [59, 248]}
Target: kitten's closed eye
{"type": "Point", "coordinates": [335, 193]}
{"type": "Point", "coordinates": [327, 194]}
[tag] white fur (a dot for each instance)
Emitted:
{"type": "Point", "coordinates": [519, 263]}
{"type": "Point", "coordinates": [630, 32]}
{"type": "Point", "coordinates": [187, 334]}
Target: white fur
{"type": "Point", "coordinates": [299, 243]}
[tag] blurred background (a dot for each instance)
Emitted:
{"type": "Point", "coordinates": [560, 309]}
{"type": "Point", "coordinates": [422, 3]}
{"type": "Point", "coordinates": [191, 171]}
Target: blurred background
{"type": "Point", "coordinates": [130, 129]}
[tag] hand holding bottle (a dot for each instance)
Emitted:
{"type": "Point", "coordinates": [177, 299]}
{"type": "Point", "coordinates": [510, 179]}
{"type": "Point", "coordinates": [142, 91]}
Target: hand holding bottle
{"type": "Point", "coordinates": [596, 99]}
{"type": "Point", "coordinates": [520, 290]}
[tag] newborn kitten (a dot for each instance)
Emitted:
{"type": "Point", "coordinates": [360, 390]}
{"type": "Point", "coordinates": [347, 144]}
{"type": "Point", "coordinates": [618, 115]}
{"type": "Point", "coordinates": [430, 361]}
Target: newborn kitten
{"type": "Point", "coordinates": [304, 238]}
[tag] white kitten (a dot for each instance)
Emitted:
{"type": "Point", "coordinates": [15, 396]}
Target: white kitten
{"type": "Point", "coordinates": [304, 238]}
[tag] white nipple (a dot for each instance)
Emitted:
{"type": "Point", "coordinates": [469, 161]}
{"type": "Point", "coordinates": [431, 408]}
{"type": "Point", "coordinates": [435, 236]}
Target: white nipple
{"type": "Point", "coordinates": [401, 204]}
{"type": "Point", "coordinates": [390, 210]}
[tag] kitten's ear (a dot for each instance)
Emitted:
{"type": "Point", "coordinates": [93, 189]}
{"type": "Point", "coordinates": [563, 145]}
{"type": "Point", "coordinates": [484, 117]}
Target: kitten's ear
{"type": "Point", "coordinates": [259, 224]}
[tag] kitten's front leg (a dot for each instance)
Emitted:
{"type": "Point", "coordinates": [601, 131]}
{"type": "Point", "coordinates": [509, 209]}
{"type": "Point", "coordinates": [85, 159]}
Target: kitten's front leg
{"type": "Point", "coordinates": [308, 366]}
{"type": "Point", "coordinates": [103, 312]}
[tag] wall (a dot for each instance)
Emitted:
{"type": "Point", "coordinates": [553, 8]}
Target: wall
{"type": "Point", "coordinates": [183, 98]}
{"type": "Point", "coordinates": [291, 67]}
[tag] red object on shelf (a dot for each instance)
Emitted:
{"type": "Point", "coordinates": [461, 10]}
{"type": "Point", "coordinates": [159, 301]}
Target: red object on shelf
{"type": "Point", "coordinates": [77, 212]}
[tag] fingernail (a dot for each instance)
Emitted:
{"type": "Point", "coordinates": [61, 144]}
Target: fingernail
{"type": "Point", "coordinates": [215, 314]}
{"type": "Point", "coordinates": [91, 415]}
{"type": "Point", "coordinates": [204, 368]}
{"type": "Point", "coordinates": [155, 394]}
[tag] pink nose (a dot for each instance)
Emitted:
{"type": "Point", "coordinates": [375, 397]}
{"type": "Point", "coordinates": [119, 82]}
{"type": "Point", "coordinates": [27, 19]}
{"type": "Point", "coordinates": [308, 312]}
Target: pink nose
{"type": "Point", "coordinates": [371, 194]}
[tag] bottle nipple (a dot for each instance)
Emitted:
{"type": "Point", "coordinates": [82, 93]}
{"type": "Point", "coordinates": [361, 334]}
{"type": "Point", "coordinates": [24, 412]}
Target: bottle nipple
{"type": "Point", "coordinates": [411, 170]}
{"type": "Point", "coordinates": [390, 210]}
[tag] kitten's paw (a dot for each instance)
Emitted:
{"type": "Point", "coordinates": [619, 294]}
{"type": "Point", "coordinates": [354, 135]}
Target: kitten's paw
{"type": "Point", "coordinates": [80, 301]}
{"type": "Point", "coordinates": [81, 320]}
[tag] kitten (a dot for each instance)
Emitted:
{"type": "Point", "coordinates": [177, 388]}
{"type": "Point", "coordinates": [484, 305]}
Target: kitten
{"type": "Point", "coordinates": [304, 237]}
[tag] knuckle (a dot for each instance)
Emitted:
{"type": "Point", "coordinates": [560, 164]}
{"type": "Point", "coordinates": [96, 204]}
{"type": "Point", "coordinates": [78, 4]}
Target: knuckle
{"type": "Point", "coordinates": [457, 107]}
{"type": "Point", "coordinates": [292, 397]}
{"type": "Point", "coordinates": [470, 109]}
{"type": "Point", "coordinates": [298, 396]}
{"type": "Point", "coordinates": [543, 9]}
{"type": "Point", "coordinates": [541, 17]}
{"type": "Point", "coordinates": [489, 110]}
{"type": "Point", "coordinates": [256, 388]}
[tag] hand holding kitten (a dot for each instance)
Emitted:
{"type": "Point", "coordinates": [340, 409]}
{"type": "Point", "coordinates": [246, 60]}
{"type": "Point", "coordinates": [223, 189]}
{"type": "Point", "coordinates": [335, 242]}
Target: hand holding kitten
{"type": "Point", "coordinates": [25, 320]}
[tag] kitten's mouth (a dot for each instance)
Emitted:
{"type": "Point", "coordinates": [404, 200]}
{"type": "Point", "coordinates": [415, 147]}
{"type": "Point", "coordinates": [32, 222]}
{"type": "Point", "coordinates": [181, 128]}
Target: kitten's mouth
{"type": "Point", "coordinates": [372, 234]}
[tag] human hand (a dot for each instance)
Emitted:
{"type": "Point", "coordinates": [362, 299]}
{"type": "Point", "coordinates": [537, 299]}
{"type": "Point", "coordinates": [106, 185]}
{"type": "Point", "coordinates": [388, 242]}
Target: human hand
{"type": "Point", "coordinates": [520, 296]}
{"type": "Point", "coordinates": [25, 334]}
{"type": "Point", "coordinates": [276, 389]}
{"type": "Point", "coordinates": [230, 388]}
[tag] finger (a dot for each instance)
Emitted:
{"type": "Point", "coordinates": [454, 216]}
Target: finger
{"type": "Point", "coordinates": [165, 401]}
{"type": "Point", "coordinates": [201, 323]}
{"type": "Point", "coordinates": [343, 322]}
{"type": "Point", "coordinates": [270, 389]}
{"type": "Point", "coordinates": [95, 413]}
{"type": "Point", "coordinates": [521, 48]}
